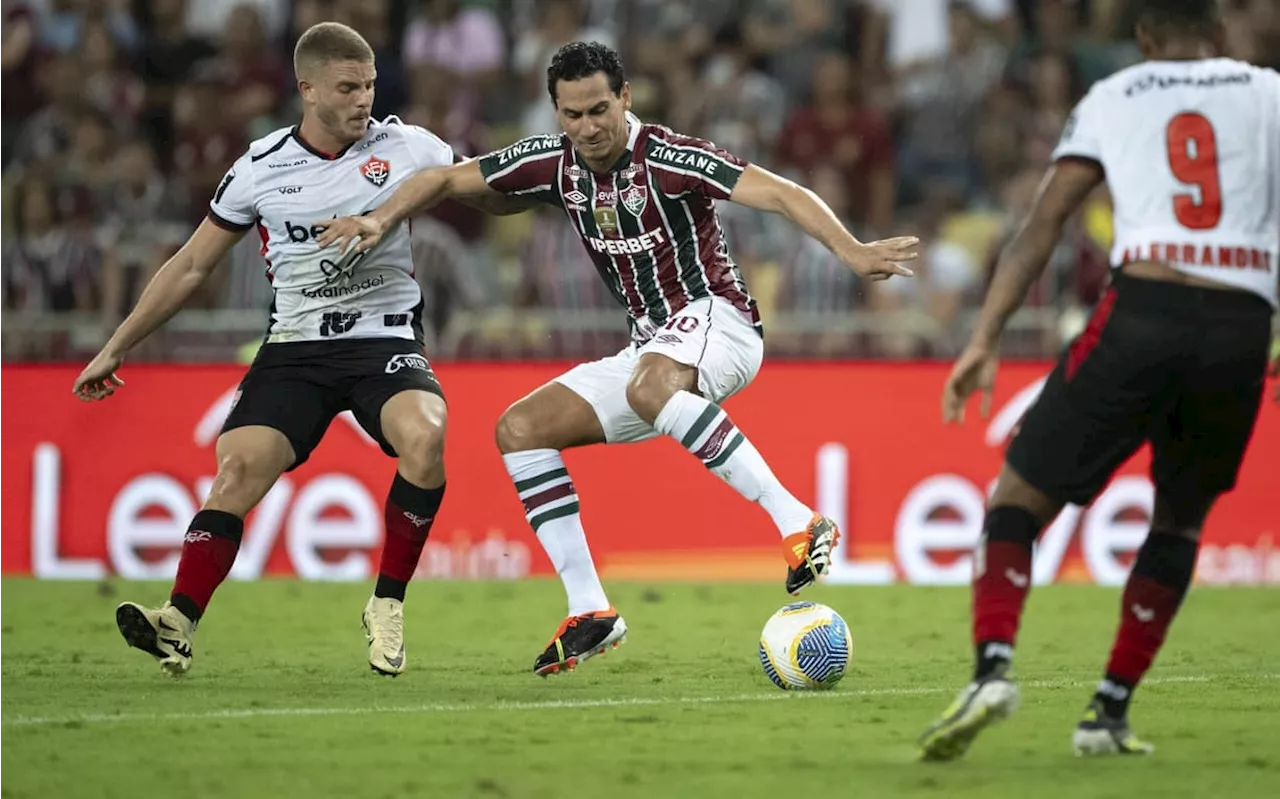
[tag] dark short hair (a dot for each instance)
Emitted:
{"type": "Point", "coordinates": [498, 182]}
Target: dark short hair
{"type": "Point", "coordinates": [578, 60]}
{"type": "Point", "coordinates": [326, 42]}
{"type": "Point", "coordinates": [1179, 17]}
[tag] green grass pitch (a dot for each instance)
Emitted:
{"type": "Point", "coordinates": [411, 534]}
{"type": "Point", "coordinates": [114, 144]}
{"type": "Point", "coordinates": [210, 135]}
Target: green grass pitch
{"type": "Point", "coordinates": [281, 703]}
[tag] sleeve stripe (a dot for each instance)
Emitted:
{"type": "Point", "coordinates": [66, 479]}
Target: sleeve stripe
{"type": "Point", "coordinates": [227, 224]}
{"type": "Point", "coordinates": [523, 161]}
{"type": "Point", "coordinates": [690, 173]}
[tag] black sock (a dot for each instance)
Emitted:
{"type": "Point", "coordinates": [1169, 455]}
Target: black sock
{"type": "Point", "coordinates": [387, 588]}
{"type": "Point", "coordinates": [1114, 693]}
{"type": "Point", "coordinates": [990, 657]}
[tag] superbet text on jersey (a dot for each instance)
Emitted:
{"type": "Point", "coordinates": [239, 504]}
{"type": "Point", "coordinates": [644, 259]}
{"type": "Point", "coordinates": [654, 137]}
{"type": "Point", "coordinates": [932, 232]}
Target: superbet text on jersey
{"type": "Point", "coordinates": [283, 186]}
{"type": "Point", "coordinates": [1191, 151]}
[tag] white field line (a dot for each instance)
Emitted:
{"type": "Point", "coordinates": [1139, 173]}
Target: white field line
{"type": "Point", "coordinates": [560, 704]}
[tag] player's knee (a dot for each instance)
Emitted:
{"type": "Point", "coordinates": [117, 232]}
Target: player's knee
{"type": "Point", "coordinates": [243, 478]}
{"type": "Point", "coordinates": [515, 431]}
{"type": "Point", "coordinates": [421, 448]}
{"type": "Point", "coordinates": [653, 383]}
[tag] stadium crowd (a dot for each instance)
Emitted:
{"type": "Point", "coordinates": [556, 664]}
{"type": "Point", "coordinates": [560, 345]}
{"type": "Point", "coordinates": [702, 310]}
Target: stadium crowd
{"type": "Point", "coordinates": [929, 117]}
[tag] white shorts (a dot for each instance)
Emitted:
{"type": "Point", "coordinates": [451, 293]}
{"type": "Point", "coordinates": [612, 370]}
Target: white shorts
{"type": "Point", "coordinates": [708, 334]}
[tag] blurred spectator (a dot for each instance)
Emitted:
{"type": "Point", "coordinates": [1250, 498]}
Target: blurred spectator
{"type": "Point", "coordinates": [48, 266]}
{"type": "Point", "coordinates": [142, 223]}
{"type": "Point", "coordinates": [208, 19]}
{"type": "Point", "coordinates": [907, 35]}
{"type": "Point", "coordinates": [432, 108]}
{"type": "Point", "coordinates": [256, 76]}
{"type": "Point", "coordinates": [111, 87]}
{"type": "Point", "coordinates": [167, 60]}
{"type": "Point", "coordinates": [815, 283]}
{"type": "Point", "coordinates": [940, 102]}
{"type": "Point", "coordinates": [205, 144]}
{"type": "Point", "coordinates": [63, 23]}
{"type": "Point", "coordinates": [945, 277]}
{"type": "Point", "coordinates": [739, 107]}
{"type": "Point", "coordinates": [559, 23]}
{"type": "Point", "coordinates": [464, 46]}
{"type": "Point", "coordinates": [46, 134]}
{"type": "Point", "coordinates": [87, 167]}
{"type": "Point", "coordinates": [837, 130]}
{"type": "Point", "coordinates": [19, 94]}
{"type": "Point", "coordinates": [790, 34]}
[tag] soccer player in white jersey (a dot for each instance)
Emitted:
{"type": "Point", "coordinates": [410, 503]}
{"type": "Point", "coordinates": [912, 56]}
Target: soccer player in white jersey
{"type": "Point", "coordinates": [343, 335]}
{"type": "Point", "coordinates": [1175, 353]}
{"type": "Point", "coordinates": [642, 198]}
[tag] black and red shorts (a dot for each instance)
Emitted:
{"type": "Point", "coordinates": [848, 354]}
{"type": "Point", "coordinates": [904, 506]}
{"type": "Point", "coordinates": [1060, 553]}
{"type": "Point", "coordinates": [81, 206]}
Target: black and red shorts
{"type": "Point", "coordinates": [297, 387]}
{"type": "Point", "coordinates": [1179, 366]}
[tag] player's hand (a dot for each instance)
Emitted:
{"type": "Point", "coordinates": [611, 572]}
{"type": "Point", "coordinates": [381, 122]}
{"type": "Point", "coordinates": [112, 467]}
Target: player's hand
{"type": "Point", "coordinates": [975, 370]}
{"type": "Point", "coordinates": [881, 260]}
{"type": "Point", "coordinates": [98, 380]}
{"type": "Point", "coordinates": [352, 234]}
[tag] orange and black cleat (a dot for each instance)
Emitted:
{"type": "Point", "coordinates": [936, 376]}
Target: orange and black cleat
{"type": "Point", "coordinates": [580, 638]}
{"type": "Point", "coordinates": [808, 552]}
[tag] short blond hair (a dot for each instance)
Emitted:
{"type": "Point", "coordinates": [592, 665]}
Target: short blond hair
{"type": "Point", "coordinates": [326, 42]}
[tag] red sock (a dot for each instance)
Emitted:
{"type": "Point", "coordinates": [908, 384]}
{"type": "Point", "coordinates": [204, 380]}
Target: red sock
{"type": "Point", "coordinates": [409, 514]}
{"type": "Point", "coordinates": [1157, 583]}
{"type": "Point", "coordinates": [1001, 581]}
{"type": "Point", "coordinates": [208, 551]}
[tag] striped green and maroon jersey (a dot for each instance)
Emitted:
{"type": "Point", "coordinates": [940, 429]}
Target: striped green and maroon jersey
{"type": "Point", "coordinates": [649, 224]}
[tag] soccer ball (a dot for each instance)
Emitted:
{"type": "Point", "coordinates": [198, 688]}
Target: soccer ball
{"type": "Point", "coordinates": [805, 646]}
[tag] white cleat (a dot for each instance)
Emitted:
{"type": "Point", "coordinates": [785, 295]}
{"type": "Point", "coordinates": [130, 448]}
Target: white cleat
{"type": "Point", "coordinates": [979, 705]}
{"type": "Point", "coordinates": [163, 632]}
{"type": "Point", "coordinates": [383, 621]}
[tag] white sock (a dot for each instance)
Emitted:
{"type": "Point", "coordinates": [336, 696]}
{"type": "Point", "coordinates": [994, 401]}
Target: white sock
{"type": "Point", "coordinates": [707, 431]}
{"type": "Point", "coordinates": [551, 506]}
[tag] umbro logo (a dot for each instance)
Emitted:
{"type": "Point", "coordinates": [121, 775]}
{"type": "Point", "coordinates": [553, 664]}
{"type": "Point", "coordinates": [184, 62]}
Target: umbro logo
{"type": "Point", "coordinates": [576, 197]}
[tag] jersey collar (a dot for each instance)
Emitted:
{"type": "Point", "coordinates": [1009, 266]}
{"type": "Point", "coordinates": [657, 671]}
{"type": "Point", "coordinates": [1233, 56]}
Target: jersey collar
{"type": "Point", "coordinates": [297, 136]}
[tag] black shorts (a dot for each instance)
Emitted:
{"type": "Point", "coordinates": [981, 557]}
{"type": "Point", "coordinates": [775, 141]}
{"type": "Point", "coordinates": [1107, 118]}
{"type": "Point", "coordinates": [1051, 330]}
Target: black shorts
{"type": "Point", "coordinates": [1179, 366]}
{"type": "Point", "coordinates": [297, 387]}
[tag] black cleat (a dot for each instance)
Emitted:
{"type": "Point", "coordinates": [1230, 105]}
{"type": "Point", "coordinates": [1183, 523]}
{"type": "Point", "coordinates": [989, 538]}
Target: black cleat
{"type": "Point", "coordinates": [808, 553]}
{"type": "Point", "coordinates": [580, 638]}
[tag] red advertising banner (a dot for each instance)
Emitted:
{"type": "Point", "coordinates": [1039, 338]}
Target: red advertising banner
{"type": "Point", "coordinates": [108, 488]}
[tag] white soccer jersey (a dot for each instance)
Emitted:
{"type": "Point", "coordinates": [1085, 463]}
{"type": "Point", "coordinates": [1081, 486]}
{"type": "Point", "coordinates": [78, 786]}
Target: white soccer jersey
{"type": "Point", "coordinates": [1191, 150]}
{"type": "Point", "coordinates": [283, 186]}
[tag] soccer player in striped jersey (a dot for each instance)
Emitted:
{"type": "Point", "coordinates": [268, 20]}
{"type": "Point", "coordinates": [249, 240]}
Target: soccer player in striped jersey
{"type": "Point", "coordinates": [642, 198]}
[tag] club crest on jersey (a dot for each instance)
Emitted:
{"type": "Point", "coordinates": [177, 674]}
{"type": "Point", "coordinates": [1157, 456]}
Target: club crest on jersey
{"type": "Point", "coordinates": [375, 170]}
{"type": "Point", "coordinates": [607, 221]}
{"type": "Point", "coordinates": [634, 198]}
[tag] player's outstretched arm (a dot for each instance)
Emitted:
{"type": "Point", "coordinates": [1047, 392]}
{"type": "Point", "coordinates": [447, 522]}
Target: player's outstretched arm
{"type": "Point", "coordinates": [877, 260]}
{"type": "Point", "coordinates": [164, 295]}
{"type": "Point", "coordinates": [426, 188]}
{"type": "Point", "coordinates": [1064, 187]}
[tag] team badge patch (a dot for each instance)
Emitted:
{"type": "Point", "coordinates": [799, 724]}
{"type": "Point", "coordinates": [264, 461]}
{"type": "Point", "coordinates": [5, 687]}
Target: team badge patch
{"type": "Point", "coordinates": [375, 170]}
{"type": "Point", "coordinates": [634, 198]}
